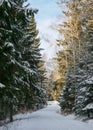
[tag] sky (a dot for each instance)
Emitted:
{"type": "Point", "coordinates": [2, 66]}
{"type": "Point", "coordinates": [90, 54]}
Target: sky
{"type": "Point", "coordinates": [46, 17]}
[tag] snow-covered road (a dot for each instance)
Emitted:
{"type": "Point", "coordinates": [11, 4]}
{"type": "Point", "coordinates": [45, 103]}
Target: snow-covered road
{"type": "Point", "coordinates": [48, 119]}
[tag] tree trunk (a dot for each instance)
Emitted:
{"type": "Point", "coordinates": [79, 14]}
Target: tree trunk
{"type": "Point", "coordinates": [88, 111]}
{"type": "Point", "coordinates": [11, 113]}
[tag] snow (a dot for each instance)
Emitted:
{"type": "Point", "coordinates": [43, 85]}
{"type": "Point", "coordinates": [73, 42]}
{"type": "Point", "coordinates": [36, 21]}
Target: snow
{"type": "Point", "coordinates": [89, 106]}
{"type": "Point", "coordinates": [9, 44]}
{"type": "Point", "coordinates": [89, 81]}
{"type": "Point", "coordinates": [26, 69]}
{"type": "Point", "coordinates": [1, 1]}
{"type": "Point", "coordinates": [48, 118]}
{"type": "Point", "coordinates": [83, 89]}
{"type": "Point", "coordinates": [1, 85]}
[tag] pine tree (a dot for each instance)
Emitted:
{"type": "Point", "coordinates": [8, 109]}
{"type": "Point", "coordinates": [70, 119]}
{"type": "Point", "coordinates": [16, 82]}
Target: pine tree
{"type": "Point", "coordinates": [72, 48]}
{"type": "Point", "coordinates": [31, 57]}
{"type": "Point", "coordinates": [78, 91]}
{"type": "Point", "coordinates": [84, 90]}
{"type": "Point", "coordinates": [10, 32]}
{"type": "Point", "coordinates": [19, 59]}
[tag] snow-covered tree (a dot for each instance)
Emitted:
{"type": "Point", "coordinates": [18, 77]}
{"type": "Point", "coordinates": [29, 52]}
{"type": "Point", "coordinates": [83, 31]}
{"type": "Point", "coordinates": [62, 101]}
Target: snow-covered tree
{"type": "Point", "coordinates": [72, 48]}
{"type": "Point", "coordinates": [19, 59]}
{"type": "Point", "coordinates": [78, 91]}
{"type": "Point", "coordinates": [10, 31]}
{"type": "Point", "coordinates": [31, 57]}
{"type": "Point", "coordinates": [84, 90]}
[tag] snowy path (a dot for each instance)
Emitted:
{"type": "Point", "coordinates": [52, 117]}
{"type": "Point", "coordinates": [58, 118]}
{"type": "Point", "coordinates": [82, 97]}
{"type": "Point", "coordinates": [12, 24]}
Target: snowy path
{"type": "Point", "coordinates": [48, 119]}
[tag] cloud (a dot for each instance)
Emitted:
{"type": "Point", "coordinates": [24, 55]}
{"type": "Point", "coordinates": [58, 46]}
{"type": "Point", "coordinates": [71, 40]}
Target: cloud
{"type": "Point", "coordinates": [48, 36]}
{"type": "Point", "coordinates": [45, 28]}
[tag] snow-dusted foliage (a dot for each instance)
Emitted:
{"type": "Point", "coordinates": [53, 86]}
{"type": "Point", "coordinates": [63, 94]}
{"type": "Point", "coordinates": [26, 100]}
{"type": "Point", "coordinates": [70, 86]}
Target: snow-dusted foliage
{"type": "Point", "coordinates": [1, 2]}
{"type": "Point", "coordinates": [89, 106]}
{"type": "Point", "coordinates": [19, 59]}
{"type": "Point", "coordinates": [78, 90]}
{"type": "Point", "coordinates": [2, 85]}
{"type": "Point", "coordinates": [68, 92]}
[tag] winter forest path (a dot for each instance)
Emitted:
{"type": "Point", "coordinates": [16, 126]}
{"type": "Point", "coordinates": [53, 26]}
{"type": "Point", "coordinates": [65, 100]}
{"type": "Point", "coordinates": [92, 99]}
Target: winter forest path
{"type": "Point", "coordinates": [48, 118]}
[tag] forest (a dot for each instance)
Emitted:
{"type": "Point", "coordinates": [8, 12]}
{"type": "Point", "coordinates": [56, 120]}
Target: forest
{"type": "Point", "coordinates": [25, 85]}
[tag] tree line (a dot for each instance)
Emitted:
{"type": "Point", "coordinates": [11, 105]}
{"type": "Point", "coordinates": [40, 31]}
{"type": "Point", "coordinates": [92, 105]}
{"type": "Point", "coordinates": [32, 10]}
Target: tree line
{"type": "Point", "coordinates": [21, 62]}
{"type": "Point", "coordinates": [75, 59]}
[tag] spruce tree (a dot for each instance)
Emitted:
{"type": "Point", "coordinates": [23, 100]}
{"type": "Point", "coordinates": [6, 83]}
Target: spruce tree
{"type": "Point", "coordinates": [19, 59]}
{"type": "Point", "coordinates": [10, 32]}
{"type": "Point", "coordinates": [72, 48]}
{"type": "Point", "coordinates": [84, 90]}
{"type": "Point", "coordinates": [78, 91]}
{"type": "Point", "coordinates": [31, 57]}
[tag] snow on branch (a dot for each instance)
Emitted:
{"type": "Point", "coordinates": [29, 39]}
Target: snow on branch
{"type": "Point", "coordinates": [2, 85]}
{"type": "Point", "coordinates": [1, 2]}
{"type": "Point", "coordinates": [89, 81]}
{"type": "Point", "coordinates": [88, 107]}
